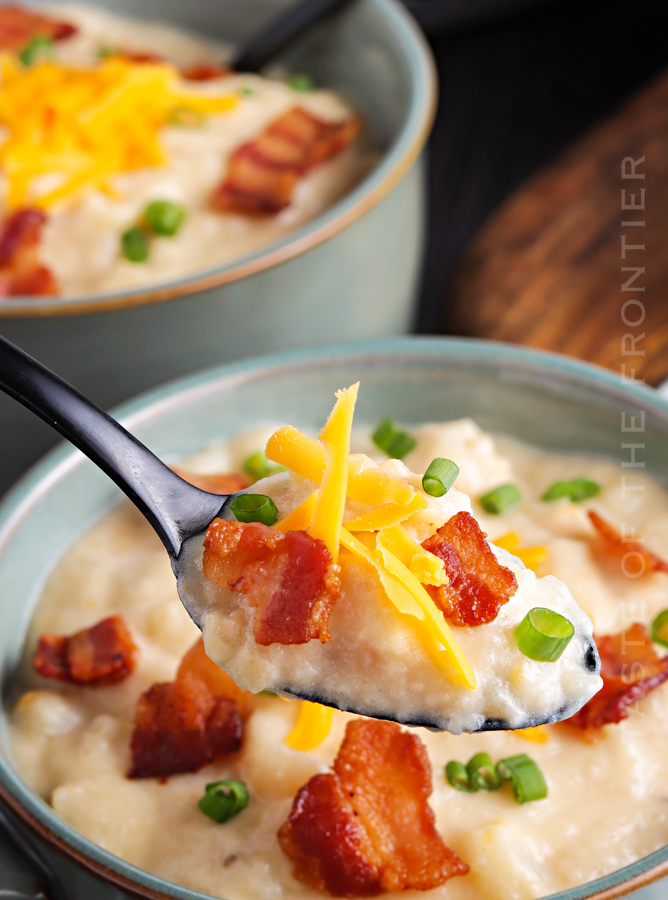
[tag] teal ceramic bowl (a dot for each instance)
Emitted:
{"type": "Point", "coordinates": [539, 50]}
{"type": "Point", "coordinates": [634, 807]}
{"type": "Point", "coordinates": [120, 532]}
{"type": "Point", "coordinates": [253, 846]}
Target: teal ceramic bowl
{"type": "Point", "coordinates": [351, 273]}
{"type": "Point", "coordinates": [549, 400]}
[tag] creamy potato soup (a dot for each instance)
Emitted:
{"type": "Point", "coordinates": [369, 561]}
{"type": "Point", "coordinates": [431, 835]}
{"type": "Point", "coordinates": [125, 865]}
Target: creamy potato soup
{"type": "Point", "coordinates": [144, 113]}
{"type": "Point", "coordinates": [607, 787]}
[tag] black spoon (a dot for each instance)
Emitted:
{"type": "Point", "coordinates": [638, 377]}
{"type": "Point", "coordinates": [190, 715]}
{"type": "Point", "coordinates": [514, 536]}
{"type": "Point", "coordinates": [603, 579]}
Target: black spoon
{"type": "Point", "coordinates": [281, 31]}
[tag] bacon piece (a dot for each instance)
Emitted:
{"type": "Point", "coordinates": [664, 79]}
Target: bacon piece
{"type": "Point", "coordinates": [479, 585]}
{"type": "Point", "coordinates": [21, 272]}
{"type": "Point", "coordinates": [367, 827]}
{"type": "Point", "coordinates": [290, 578]}
{"type": "Point", "coordinates": [619, 546]}
{"type": "Point", "coordinates": [18, 26]}
{"type": "Point", "coordinates": [224, 483]}
{"type": "Point", "coordinates": [181, 726]}
{"type": "Point", "coordinates": [204, 72]}
{"type": "Point", "coordinates": [96, 656]}
{"type": "Point", "coordinates": [630, 668]}
{"type": "Point", "coordinates": [263, 173]}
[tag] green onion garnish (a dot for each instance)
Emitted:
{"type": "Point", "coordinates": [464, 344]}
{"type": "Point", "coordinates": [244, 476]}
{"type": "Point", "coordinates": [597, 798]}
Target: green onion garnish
{"type": "Point", "coordinates": [482, 773]}
{"type": "Point", "coordinates": [164, 217]}
{"type": "Point", "coordinates": [246, 90]}
{"type": "Point", "coordinates": [105, 51]}
{"type": "Point", "coordinates": [223, 800]}
{"type": "Point", "coordinates": [660, 628]}
{"type": "Point", "coordinates": [543, 634]}
{"type": "Point", "coordinates": [439, 477]}
{"type": "Point", "coordinates": [458, 776]}
{"type": "Point", "coordinates": [528, 780]}
{"type": "Point", "coordinates": [393, 440]}
{"type": "Point", "coordinates": [301, 82]}
{"type": "Point", "coordinates": [186, 117]}
{"type": "Point", "coordinates": [258, 466]}
{"type": "Point", "coordinates": [40, 47]}
{"type": "Point", "coordinates": [575, 490]}
{"type": "Point", "coordinates": [134, 244]}
{"type": "Point", "coordinates": [254, 508]}
{"type": "Point", "coordinates": [500, 499]}
{"type": "Point", "coordinates": [269, 693]}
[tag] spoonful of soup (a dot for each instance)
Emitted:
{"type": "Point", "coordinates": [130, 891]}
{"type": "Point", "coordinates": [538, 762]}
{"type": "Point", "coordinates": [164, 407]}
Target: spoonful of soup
{"type": "Point", "coordinates": [359, 586]}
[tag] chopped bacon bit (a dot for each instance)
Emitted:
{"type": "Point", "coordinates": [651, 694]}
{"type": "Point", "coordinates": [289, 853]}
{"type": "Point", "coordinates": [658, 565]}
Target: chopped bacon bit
{"type": "Point", "coordinates": [21, 272]}
{"type": "Point", "coordinates": [367, 827]}
{"type": "Point", "coordinates": [18, 26]}
{"type": "Point", "coordinates": [263, 173]}
{"type": "Point", "coordinates": [181, 726]}
{"type": "Point", "coordinates": [616, 544]}
{"type": "Point", "coordinates": [290, 578]}
{"type": "Point", "coordinates": [479, 585]}
{"type": "Point", "coordinates": [630, 668]}
{"type": "Point", "coordinates": [224, 483]}
{"type": "Point", "coordinates": [204, 72]}
{"type": "Point", "coordinates": [96, 656]}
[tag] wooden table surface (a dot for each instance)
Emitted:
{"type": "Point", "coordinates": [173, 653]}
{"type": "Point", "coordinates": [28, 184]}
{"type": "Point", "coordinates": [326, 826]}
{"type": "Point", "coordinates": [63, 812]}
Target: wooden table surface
{"type": "Point", "coordinates": [514, 96]}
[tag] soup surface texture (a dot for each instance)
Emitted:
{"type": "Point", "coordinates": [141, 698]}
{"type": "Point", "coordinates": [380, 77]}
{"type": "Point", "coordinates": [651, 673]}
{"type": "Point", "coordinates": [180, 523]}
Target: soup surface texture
{"type": "Point", "coordinates": [606, 804]}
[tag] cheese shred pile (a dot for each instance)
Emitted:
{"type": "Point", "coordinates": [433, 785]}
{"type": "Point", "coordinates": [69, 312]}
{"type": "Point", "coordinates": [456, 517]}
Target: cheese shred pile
{"type": "Point", "coordinates": [81, 126]}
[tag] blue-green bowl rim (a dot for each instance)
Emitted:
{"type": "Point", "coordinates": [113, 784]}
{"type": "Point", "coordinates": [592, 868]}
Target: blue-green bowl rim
{"type": "Point", "coordinates": [18, 503]}
{"type": "Point", "coordinates": [396, 162]}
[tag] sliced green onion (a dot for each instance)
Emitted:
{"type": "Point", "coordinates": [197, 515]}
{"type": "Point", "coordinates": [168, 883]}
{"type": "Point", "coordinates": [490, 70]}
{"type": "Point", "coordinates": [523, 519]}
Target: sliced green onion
{"type": "Point", "coordinates": [439, 477]}
{"type": "Point", "coordinates": [660, 628]}
{"type": "Point", "coordinates": [246, 90]}
{"type": "Point", "coordinates": [458, 776]}
{"type": "Point", "coordinates": [482, 773]}
{"type": "Point", "coordinates": [254, 508]}
{"type": "Point", "coordinates": [269, 693]}
{"type": "Point", "coordinates": [223, 800]}
{"type": "Point", "coordinates": [40, 47]}
{"type": "Point", "coordinates": [392, 439]}
{"type": "Point", "coordinates": [528, 780]}
{"type": "Point", "coordinates": [164, 217]}
{"type": "Point", "coordinates": [575, 490]}
{"type": "Point", "coordinates": [500, 499]}
{"type": "Point", "coordinates": [301, 82]}
{"type": "Point", "coordinates": [544, 634]}
{"type": "Point", "coordinates": [105, 51]}
{"type": "Point", "coordinates": [186, 117]}
{"type": "Point", "coordinates": [134, 244]}
{"type": "Point", "coordinates": [258, 466]}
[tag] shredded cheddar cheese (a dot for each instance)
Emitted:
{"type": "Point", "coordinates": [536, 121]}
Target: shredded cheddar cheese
{"type": "Point", "coordinates": [532, 557]}
{"type": "Point", "coordinates": [301, 517]}
{"type": "Point", "coordinates": [84, 125]}
{"type": "Point", "coordinates": [426, 567]}
{"type": "Point", "coordinates": [330, 505]}
{"type": "Point", "coordinates": [386, 515]}
{"type": "Point", "coordinates": [290, 448]}
{"type": "Point", "coordinates": [313, 724]}
{"type": "Point", "coordinates": [537, 735]}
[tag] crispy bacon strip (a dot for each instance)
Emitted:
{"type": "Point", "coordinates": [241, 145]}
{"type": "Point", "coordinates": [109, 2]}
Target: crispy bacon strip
{"type": "Point", "coordinates": [181, 726]}
{"type": "Point", "coordinates": [289, 578]}
{"type": "Point", "coordinates": [21, 272]}
{"type": "Point", "coordinates": [18, 26]}
{"type": "Point", "coordinates": [617, 545]}
{"type": "Point", "coordinates": [224, 483]}
{"type": "Point", "coordinates": [204, 72]}
{"type": "Point", "coordinates": [479, 585]}
{"type": "Point", "coordinates": [630, 668]}
{"type": "Point", "coordinates": [96, 656]}
{"type": "Point", "coordinates": [263, 173]}
{"type": "Point", "coordinates": [367, 827]}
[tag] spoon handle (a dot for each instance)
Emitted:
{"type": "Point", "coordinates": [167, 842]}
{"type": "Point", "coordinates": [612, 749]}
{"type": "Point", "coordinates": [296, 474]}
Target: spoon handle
{"type": "Point", "coordinates": [174, 508]}
{"type": "Point", "coordinates": [281, 31]}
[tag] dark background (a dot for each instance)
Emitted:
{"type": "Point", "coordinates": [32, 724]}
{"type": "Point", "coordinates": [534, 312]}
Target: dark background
{"type": "Point", "coordinates": [514, 91]}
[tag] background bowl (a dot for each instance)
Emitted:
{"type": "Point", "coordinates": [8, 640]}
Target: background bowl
{"type": "Point", "coordinates": [551, 401]}
{"type": "Point", "coordinates": [351, 273]}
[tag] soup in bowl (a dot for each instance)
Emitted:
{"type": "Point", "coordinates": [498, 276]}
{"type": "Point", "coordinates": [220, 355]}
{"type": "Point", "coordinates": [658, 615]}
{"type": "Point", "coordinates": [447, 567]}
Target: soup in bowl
{"type": "Point", "coordinates": [545, 424]}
